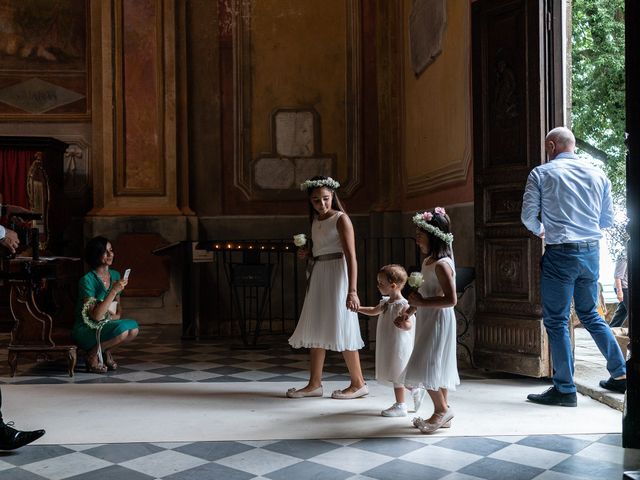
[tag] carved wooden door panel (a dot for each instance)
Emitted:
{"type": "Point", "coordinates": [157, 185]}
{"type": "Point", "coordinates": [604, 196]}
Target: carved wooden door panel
{"type": "Point", "coordinates": [510, 120]}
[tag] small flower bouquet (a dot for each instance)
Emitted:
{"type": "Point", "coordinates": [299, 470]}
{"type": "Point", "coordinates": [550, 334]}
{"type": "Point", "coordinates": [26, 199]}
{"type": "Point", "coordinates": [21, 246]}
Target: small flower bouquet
{"type": "Point", "coordinates": [300, 240]}
{"type": "Point", "coordinates": [415, 281]}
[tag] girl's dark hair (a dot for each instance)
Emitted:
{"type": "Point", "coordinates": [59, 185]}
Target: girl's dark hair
{"type": "Point", "coordinates": [336, 204]}
{"type": "Point", "coordinates": [438, 248]}
{"type": "Point", "coordinates": [95, 249]}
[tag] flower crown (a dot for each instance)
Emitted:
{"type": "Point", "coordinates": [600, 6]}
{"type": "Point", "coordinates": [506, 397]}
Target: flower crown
{"type": "Point", "coordinates": [421, 219]}
{"type": "Point", "coordinates": [325, 182]}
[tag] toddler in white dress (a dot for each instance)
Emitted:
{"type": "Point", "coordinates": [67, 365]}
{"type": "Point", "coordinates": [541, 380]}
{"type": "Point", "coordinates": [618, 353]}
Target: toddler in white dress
{"type": "Point", "coordinates": [393, 345]}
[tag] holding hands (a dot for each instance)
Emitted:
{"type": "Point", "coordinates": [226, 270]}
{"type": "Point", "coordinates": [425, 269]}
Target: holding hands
{"type": "Point", "coordinates": [403, 321]}
{"type": "Point", "coordinates": [353, 302]}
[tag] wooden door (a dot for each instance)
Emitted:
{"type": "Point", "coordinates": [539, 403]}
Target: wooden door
{"type": "Point", "coordinates": [513, 90]}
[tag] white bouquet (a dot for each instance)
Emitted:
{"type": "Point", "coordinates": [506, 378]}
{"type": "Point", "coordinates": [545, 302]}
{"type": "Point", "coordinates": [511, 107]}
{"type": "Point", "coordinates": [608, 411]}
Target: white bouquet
{"type": "Point", "coordinates": [415, 280]}
{"type": "Point", "coordinates": [300, 240]}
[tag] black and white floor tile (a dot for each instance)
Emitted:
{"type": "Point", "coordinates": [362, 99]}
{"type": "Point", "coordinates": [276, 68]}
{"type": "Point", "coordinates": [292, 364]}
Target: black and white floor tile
{"type": "Point", "coordinates": [549, 457]}
{"type": "Point", "coordinates": [157, 357]}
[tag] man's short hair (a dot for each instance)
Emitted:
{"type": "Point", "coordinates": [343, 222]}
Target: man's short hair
{"type": "Point", "coordinates": [561, 136]}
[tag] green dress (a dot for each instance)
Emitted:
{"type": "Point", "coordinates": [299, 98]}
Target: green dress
{"type": "Point", "coordinates": [90, 286]}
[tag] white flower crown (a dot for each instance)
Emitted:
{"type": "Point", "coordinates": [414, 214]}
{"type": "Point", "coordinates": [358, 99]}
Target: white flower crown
{"type": "Point", "coordinates": [420, 219]}
{"type": "Point", "coordinates": [327, 182]}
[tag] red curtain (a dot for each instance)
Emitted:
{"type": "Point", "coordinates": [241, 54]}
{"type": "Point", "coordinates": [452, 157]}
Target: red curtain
{"type": "Point", "coordinates": [14, 167]}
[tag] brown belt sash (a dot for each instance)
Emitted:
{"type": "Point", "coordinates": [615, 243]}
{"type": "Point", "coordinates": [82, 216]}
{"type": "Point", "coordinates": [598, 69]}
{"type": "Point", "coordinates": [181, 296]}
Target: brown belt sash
{"type": "Point", "coordinates": [321, 258]}
{"type": "Point", "coordinates": [328, 256]}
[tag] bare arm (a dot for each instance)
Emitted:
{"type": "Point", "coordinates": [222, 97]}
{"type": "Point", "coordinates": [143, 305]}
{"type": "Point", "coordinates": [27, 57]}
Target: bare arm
{"type": "Point", "coordinates": [100, 310]}
{"type": "Point", "coordinates": [448, 285]}
{"type": "Point", "coordinates": [618, 287]}
{"type": "Point", "coordinates": [347, 238]}
{"type": "Point", "coordinates": [403, 321]}
{"type": "Point", "coordinates": [371, 311]}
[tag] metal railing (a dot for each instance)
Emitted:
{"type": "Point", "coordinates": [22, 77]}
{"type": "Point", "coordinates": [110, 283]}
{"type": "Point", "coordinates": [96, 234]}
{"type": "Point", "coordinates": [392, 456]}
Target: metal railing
{"type": "Point", "coordinates": [258, 287]}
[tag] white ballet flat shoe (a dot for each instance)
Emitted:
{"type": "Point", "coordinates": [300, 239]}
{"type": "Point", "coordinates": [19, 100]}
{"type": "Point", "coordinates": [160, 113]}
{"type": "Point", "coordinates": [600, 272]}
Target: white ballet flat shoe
{"type": "Point", "coordinates": [361, 392]}
{"type": "Point", "coordinates": [294, 393]}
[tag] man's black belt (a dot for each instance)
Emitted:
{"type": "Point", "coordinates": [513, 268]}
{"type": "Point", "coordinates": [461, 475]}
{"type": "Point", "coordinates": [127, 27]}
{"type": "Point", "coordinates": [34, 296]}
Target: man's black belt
{"type": "Point", "coordinates": [575, 246]}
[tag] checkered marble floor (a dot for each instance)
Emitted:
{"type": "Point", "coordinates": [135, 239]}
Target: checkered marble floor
{"type": "Point", "coordinates": [158, 356]}
{"type": "Point", "coordinates": [550, 457]}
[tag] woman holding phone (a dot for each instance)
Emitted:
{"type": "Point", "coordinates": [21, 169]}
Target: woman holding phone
{"type": "Point", "coordinates": [99, 326]}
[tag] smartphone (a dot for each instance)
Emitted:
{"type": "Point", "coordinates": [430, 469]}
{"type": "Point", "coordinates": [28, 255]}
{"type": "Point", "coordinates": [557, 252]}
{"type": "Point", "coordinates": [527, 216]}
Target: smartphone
{"type": "Point", "coordinates": [126, 273]}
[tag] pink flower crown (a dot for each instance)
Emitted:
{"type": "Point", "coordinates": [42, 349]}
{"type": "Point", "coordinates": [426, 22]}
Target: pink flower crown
{"type": "Point", "coordinates": [421, 219]}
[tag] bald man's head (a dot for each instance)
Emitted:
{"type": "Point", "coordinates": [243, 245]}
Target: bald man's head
{"type": "Point", "coordinates": [559, 140]}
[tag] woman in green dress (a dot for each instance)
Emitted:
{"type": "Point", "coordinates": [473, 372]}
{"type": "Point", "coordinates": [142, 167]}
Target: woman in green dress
{"type": "Point", "coordinates": [99, 310]}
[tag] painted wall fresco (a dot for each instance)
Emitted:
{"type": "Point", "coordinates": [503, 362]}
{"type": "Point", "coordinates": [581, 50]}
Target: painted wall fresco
{"type": "Point", "coordinates": [303, 65]}
{"type": "Point", "coordinates": [44, 66]}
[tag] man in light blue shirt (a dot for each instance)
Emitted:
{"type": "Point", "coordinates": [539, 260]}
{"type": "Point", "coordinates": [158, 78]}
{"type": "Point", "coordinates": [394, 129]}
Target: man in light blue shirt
{"type": "Point", "coordinates": [567, 202]}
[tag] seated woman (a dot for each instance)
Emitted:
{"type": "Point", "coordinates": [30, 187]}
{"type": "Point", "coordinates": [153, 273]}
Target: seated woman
{"type": "Point", "coordinates": [98, 312]}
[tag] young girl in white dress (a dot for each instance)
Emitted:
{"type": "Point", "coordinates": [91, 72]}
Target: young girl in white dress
{"type": "Point", "coordinates": [393, 345]}
{"type": "Point", "coordinates": [433, 363]}
{"type": "Point", "coordinates": [329, 318]}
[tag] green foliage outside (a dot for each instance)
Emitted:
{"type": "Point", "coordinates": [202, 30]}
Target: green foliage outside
{"type": "Point", "coordinates": [598, 94]}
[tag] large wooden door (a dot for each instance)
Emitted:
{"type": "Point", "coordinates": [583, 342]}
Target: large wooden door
{"type": "Point", "coordinates": [513, 90]}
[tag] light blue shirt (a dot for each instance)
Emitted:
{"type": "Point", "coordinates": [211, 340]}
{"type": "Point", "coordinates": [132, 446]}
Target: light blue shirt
{"type": "Point", "coordinates": [568, 199]}
{"type": "Point", "coordinates": [3, 232]}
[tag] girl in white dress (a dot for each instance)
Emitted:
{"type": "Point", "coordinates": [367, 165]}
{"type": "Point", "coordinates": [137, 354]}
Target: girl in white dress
{"type": "Point", "coordinates": [433, 362]}
{"type": "Point", "coordinates": [393, 345]}
{"type": "Point", "coordinates": [329, 318]}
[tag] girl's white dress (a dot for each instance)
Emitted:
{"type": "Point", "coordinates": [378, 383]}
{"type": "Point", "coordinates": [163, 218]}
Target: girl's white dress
{"type": "Point", "coordinates": [325, 321]}
{"type": "Point", "coordinates": [433, 363]}
{"type": "Point", "coordinates": [393, 346]}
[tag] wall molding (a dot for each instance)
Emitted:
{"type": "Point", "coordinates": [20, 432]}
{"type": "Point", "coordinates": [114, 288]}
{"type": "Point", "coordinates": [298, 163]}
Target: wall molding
{"type": "Point", "coordinates": [242, 132]}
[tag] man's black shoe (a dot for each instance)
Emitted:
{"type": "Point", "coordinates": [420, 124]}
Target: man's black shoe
{"type": "Point", "coordinates": [10, 438]}
{"type": "Point", "coordinates": [554, 397]}
{"type": "Point", "coordinates": [614, 385]}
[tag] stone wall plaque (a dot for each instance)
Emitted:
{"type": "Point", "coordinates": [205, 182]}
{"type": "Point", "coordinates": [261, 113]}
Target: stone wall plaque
{"type": "Point", "coordinates": [295, 137]}
{"type": "Point", "coordinates": [294, 133]}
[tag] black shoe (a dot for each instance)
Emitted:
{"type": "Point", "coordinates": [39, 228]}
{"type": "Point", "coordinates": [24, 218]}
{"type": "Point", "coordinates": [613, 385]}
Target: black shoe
{"type": "Point", "coordinates": [10, 438]}
{"type": "Point", "coordinates": [614, 385]}
{"type": "Point", "coordinates": [554, 397]}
